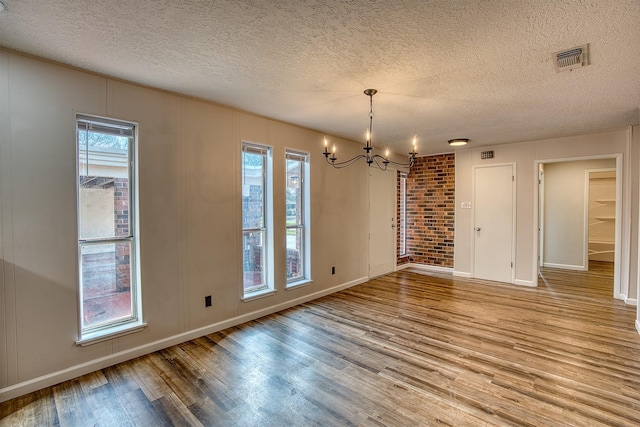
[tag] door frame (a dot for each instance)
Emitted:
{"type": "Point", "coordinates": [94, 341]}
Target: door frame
{"type": "Point", "coordinates": [513, 215]}
{"type": "Point", "coordinates": [540, 168]}
{"type": "Point", "coordinates": [621, 212]}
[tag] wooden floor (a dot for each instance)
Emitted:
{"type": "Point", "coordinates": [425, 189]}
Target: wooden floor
{"type": "Point", "coordinates": [405, 349]}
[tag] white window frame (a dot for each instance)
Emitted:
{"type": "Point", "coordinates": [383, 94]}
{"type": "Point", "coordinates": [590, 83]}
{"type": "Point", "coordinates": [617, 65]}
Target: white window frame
{"type": "Point", "coordinates": [402, 220]}
{"type": "Point", "coordinates": [267, 212]}
{"type": "Point", "coordinates": [304, 226]}
{"type": "Point", "coordinates": [109, 330]}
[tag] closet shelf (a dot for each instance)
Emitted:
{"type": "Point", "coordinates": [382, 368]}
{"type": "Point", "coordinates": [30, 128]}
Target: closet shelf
{"type": "Point", "coordinates": [606, 218]}
{"type": "Point", "coordinates": [604, 201]}
{"type": "Point", "coordinates": [602, 242]}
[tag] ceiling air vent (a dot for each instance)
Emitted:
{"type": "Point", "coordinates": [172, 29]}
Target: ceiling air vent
{"type": "Point", "coordinates": [572, 58]}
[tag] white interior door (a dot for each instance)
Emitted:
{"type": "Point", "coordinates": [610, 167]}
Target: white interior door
{"type": "Point", "coordinates": [493, 223]}
{"type": "Point", "coordinates": [382, 222]}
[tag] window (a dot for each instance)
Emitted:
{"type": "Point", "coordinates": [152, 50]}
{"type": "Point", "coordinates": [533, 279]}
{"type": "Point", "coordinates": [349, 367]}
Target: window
{"type": "Point", "coordinates": [296, 216]}
{"type": "Point", "coordinates": [107, 236]}
{"type": "Point", "coordinates": [402, 214]}
{"type": "Point", "coordinates": [256, 220]}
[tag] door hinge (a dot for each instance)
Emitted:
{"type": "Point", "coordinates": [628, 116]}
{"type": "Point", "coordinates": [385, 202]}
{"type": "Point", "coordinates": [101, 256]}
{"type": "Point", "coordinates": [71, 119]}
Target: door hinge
{"type": "Point", "coordinates": [513, 178]}
{"type": "Point", "coordinates": [511, 264]}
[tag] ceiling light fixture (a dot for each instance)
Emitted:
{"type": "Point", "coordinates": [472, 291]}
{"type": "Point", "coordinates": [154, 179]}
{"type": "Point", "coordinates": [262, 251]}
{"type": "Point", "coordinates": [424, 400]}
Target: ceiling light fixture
{"type": "Point", "coordinates": [457, 142]}
{"type": "Point", "coordinates": [381, 162]}
{"type": "Point", "coordinates": [2, 7]}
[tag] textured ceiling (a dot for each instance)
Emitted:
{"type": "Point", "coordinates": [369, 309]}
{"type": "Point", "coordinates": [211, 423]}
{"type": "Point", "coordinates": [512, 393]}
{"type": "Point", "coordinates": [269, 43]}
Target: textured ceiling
{"type": "Point", "coordinates": [478, 69]}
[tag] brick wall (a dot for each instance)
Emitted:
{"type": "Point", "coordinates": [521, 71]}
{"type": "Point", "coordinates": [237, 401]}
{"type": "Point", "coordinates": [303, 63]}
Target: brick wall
{"type": "Point", "coordinates": [430, 211]}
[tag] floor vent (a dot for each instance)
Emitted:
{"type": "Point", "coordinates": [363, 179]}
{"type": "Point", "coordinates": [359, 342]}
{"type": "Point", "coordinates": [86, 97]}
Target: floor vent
{"type": "Point", "coordinates": [572, 58]}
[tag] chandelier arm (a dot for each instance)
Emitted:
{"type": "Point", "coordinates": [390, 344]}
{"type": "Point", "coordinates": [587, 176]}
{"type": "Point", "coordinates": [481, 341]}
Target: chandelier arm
{"type": "Point", "coordinates": [346, 163]}
{"type": "Point", "coordinates": [404, 165]}
{"type": "Point", "coordinates": [382, 167]}
{"type": "Point", "coordinates": [386, 161]}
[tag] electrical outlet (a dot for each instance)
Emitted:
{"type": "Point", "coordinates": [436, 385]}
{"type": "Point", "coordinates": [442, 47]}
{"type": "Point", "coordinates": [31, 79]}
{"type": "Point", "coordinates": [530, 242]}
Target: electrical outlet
{"type": "Point", "coordinates": [333, 270]}
{"type": "Point", "coordinates": [207, 301]}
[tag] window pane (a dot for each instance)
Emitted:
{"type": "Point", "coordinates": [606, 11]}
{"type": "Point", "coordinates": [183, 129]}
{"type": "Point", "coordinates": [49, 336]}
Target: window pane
{"type": "Point", "coordinates": [254, 261]}
{"type": "Point", "coordinates": [105, 283]}
{"type": "Point", "coordinates": [103, 167]}
{"type": "Point", "coordinates": [403, 215]}
{"type": "Point", "coordinates": [295, 213]}
{"type": "Point", "coordinates": [252, 190]}
{"type": "Point", "coordinates": [295, 255]}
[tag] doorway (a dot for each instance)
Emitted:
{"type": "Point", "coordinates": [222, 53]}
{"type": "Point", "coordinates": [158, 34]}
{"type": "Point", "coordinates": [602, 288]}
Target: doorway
{"type": "Point", "coordinates": [579, 217]}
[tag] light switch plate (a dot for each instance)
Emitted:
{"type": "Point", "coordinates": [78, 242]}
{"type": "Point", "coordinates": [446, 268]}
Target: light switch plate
{"type": "Point", "coordinates": [466, 205]}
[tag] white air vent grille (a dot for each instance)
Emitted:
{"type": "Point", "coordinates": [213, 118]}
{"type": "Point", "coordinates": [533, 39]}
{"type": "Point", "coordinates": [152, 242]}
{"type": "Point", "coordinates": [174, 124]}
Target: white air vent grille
{"type": "Point", "coordinates": [572, 58]}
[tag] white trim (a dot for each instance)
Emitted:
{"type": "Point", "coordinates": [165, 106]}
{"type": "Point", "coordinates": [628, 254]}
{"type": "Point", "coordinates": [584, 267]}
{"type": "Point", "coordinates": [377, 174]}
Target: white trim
{"type": "Point", "coordinates": [462, 274]}
{"type": "Point", "coordinates": [298, 284]}
{"type": "Point", "coordinates": [71, 372]}
{"type": "Point", "coordinates": [631, 301]}
{"type": "Point", "coordinates": [259, 294]}
{"type": "Point", "coordinates": [402, 266]}
{"type": "Point", "coordinates": [427, 267]}
{"type": "Point", "coordinates": [638, 326]}
{"type": "Point", "coordinates": [111, 333]}
{"type": "Point", "coordinates": [540, 235]}
{"type": "Point", "coordinates": [528, 283]}
{"type": "Point", "coordinates": [565, 266]}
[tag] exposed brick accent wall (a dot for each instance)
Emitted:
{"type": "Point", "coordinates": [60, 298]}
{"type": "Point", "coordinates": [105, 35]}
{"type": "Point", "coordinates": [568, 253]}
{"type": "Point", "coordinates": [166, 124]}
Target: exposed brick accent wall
{"type": "Point", "coordinates": [431, 210]}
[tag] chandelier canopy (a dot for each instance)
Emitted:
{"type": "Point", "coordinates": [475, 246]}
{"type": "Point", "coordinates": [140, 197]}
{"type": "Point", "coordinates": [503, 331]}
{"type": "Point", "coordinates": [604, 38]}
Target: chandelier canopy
{"type": "Point", "coordinates": [381, 162]}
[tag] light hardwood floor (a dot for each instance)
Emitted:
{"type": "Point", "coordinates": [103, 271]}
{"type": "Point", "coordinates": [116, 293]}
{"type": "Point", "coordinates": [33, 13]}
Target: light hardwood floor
{"type": "Point", "coordinates": [404, 349]}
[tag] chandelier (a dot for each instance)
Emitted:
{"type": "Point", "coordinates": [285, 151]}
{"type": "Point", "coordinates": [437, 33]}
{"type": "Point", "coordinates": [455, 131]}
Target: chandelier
{"type": "Point", "coordinates": [381, 162]}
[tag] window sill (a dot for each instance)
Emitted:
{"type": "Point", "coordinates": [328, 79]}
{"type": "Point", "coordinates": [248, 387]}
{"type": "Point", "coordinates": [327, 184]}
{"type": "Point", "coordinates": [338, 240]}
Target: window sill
{"type": "Point", "coordinates": [298, 284]}
{"type": "Point", "coordinates": [110, 333]}
{"type": "Point", "coordinates": [258, 295]}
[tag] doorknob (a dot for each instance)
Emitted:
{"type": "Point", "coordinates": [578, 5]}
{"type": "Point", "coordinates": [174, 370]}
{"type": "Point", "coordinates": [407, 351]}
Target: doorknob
{"type": "Point", "coordinates": [477, 228]}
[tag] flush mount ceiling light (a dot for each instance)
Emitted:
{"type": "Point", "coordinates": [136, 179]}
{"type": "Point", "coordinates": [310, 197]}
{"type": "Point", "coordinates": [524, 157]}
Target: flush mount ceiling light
{"type": "Point", "coordinates": [381, 162]}
{"type": "Point", "coordinates": [2, 7]}
{"type": "Point", "coordinates": [457, 142]}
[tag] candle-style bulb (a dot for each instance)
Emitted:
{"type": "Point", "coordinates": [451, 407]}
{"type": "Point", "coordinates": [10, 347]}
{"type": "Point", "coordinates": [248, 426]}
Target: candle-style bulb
{"type": "Point", "coordinates": [368, 135]}
{"type": "Point", "coordinates": [325, 142]}
{"type": "Point", "coordinates": [334, 149]}
{"type": "Point", "coordinates": [386, 153]}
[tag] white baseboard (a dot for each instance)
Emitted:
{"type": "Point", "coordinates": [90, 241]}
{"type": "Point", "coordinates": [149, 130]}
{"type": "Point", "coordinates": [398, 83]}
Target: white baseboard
{"type": "Point", "coordinates": [524, 283]}
{"type": "Point", "coordinates": [427, 267]}
{"type": "Point", "coordinates": [566, 266]}
{"type": "Point", "coordinates": [122, 356]}
{"type": "Point", "coordinates": [462, 274]}
{"type": "Point", "coordinates": [403, 266]}
{"type": "Point", "coordinates": [631, 301]}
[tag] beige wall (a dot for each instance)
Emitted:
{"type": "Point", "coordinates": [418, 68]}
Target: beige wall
{"type": "Point", "coordinates": [564, 212]}
{"type": "Point", "coordinates": [189, 157]}
{"type": "Point", "coordinates": [189, 204]}
{"type": "Point", "coordinates": [525, 155]}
